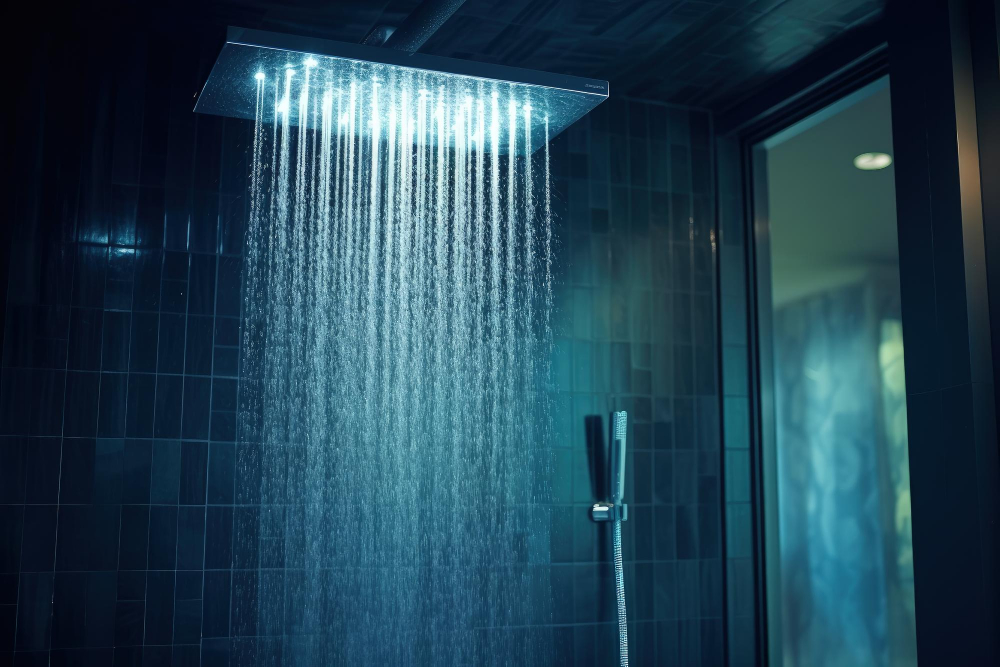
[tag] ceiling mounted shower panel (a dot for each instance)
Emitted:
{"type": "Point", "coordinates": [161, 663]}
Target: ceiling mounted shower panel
{"type": "Point", "coordinates": [298, 78]}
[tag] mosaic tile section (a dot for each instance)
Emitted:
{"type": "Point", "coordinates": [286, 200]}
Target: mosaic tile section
{"type": "Point", "coordinates": [635, 330]}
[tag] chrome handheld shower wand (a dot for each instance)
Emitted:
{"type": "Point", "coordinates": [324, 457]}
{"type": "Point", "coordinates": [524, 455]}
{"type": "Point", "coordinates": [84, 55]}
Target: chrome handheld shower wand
{"type": "Point", "coordinates": [616, 510]}
{"type": "Point", "coordinates": [617, 455]}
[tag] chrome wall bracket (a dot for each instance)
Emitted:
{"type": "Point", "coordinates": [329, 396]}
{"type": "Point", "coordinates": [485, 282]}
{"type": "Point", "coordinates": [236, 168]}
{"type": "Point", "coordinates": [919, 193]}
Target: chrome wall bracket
{"type": "Point", "coordinates": [609, 512]}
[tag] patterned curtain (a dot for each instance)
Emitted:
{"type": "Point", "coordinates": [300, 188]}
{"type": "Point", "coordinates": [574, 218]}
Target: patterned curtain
{"type": "Point", "coordinates": [843, 479]}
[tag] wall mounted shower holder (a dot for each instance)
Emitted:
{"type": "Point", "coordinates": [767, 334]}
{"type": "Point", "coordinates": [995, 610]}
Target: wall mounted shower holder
{"type": "Point", "coordinates": [609, 512]}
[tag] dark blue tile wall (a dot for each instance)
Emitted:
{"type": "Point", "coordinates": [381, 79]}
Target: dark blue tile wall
{"type": "Point", "coordinates": [121, 513]}
{"type": "Point", "coordinates": [117, 395]}
{"type": "Point", "coordinates": [635, 330]}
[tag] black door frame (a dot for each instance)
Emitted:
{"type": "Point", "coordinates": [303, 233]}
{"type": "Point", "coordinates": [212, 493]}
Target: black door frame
{"type": "Point", "coordinates": [944, 61]}
{"type": "Point", "coordinates": [826, 89]}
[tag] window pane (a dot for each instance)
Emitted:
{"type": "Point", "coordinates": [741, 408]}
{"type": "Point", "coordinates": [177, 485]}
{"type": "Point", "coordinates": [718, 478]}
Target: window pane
{"type": "Point", "coordinates": [840, 477]}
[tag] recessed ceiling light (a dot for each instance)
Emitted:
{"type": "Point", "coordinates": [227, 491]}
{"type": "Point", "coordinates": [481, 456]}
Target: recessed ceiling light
{"type": "Point", "coordinates": [872, 161]}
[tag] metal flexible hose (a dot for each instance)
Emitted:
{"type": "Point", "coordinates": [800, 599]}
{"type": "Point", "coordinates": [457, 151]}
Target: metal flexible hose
{"type": "Point", "coordinates": [620, 590]}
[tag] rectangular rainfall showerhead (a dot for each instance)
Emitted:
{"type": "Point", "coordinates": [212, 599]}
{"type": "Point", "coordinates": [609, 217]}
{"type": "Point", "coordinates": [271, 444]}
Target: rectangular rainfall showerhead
{"type": "Point", "coordinates": [300, 77]}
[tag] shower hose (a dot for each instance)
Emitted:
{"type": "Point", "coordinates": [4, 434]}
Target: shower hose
{"type": "Point", "coordinates": [620, 591]}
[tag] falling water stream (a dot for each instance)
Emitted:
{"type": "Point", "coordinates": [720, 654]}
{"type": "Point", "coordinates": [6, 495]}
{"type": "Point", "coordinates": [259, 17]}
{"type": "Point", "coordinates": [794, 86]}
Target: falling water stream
{"type": "Point", "coordinates": [397, 301]}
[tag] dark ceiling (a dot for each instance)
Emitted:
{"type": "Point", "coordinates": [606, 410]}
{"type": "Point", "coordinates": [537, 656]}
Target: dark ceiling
{"type": "Point", "coordinates": [696, 53]}
{"type": "Point", "coordinates": [706, 53]}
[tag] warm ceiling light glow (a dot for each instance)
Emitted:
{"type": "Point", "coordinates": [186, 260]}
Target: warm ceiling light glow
{"type": "Point", "coordinates": [872, 161]}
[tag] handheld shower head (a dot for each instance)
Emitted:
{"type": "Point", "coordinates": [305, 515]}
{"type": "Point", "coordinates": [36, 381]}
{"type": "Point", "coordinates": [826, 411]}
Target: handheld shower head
{"type": "Point", "coordinates": [615, 508]}
{"type": "Point", "coordinates": [616, 458]}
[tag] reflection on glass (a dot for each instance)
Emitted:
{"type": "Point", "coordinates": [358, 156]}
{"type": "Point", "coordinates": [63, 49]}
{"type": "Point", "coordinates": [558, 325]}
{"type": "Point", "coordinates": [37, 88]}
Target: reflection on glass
{"type": "Point", "coordinates": [840, 451]}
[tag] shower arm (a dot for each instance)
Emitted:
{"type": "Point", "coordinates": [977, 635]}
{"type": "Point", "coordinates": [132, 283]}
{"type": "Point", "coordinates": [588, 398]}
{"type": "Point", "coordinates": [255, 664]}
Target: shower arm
{"type": "Point", "coordinates": [416, 29]}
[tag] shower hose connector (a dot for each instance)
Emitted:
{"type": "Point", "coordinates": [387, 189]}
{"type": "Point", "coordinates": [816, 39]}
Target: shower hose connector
{"type": "Point", "coordinates": [609, 512]}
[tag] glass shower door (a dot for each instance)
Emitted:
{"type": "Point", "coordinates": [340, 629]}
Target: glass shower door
{"type": "Point", "coordinates": [839, 558]}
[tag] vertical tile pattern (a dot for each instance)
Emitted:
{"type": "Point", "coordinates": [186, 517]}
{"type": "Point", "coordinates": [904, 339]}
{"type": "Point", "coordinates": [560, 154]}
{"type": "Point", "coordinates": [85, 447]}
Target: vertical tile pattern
{"type": "Point", "coordinates": [635, 329]}
{"type": "Point", "coordinates": [128, 536]}
{"type": "Point", "coordinates": [117, 455]}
